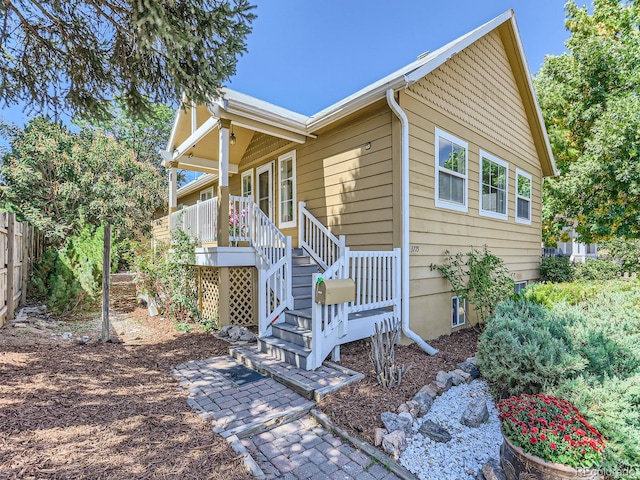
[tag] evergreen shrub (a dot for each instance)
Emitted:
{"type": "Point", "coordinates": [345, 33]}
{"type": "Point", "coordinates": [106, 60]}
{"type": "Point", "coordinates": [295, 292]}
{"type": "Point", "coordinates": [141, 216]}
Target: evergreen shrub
{"type": "Point", "coordinates": [526, 348]}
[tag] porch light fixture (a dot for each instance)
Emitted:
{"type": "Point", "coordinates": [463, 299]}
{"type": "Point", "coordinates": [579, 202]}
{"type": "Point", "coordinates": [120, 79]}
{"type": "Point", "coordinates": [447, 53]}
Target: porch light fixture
{"type": "Point", "coordinates": [232, 137]}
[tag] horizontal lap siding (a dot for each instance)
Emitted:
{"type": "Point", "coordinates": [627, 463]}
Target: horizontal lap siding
{"type": "Point", "coordinates": [474, 97]}
{"type": "Point", "coordinates": [348, 188]}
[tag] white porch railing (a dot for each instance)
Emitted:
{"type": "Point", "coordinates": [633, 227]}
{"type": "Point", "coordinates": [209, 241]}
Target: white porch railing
{"type": "Point", "coordinates": [377, 279]}
{"type": "Point", "coordinates": [315, 238]}
{"type": "Point", "coordinates": [199, 221]}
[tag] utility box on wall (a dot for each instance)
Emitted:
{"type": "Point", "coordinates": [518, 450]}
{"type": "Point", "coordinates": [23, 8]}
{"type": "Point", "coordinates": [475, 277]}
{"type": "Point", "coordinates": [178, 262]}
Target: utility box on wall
{"type": "Point", "coordinates": [330, 292]}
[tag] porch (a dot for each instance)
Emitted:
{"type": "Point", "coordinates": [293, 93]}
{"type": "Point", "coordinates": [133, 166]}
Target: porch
{"type": "Point", "coordinates": [259, 279]}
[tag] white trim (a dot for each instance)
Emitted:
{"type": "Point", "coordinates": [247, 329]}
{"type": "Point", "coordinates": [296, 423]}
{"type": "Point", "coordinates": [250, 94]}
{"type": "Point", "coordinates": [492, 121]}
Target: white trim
{"type": "Point", "coordinates": [245, 174]}
{"type": "Point", "coordinates": [294, 186]}
{"type": "Point", "coordinates": [206, 190]}
{"type": "Point", "coordinates": [267, 167]}
{"type": "Point", "coordinates": [196, 184]}
{"type": "Point", "coordinates": [530, 177]}
{"type": "Point", "coordinates": [455, 322]}
{"type": "Point", "coordinates": [489, 213]}
{"type": "Point", "coordinates": [446, 203]}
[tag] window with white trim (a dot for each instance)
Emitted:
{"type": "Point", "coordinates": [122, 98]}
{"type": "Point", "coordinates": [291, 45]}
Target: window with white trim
{"type": "Point", "coordinates": [520, 286]}
{"type": "Point", "coordinates": [458, 311]}
{"type": "Point", "coordinates": [524, 186]}
{"type": "Point", "coordinates": [287, 190]}
{"type": "Point", "coordinates": [247, 183]}
{"type": "Point", "coordinates": [494, 186]}
{"type": "Point", "coordinates": [206, 194]}
{"type": "Point", "coordinates": [451, 172]}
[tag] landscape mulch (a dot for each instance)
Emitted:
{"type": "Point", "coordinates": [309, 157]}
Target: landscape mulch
{"type": "Point", "coordinates": [76, 410]}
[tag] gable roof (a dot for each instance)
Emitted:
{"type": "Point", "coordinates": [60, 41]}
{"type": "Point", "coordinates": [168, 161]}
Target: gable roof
{"type": "Point", "coordinates": [246, 106]}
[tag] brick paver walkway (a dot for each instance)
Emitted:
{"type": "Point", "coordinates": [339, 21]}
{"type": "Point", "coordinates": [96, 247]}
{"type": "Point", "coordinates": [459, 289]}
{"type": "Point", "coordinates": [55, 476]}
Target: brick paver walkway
{"type": "Point", "coordinates": [272, 423]}
{"type": "Point", "coordinates": [302, 449]}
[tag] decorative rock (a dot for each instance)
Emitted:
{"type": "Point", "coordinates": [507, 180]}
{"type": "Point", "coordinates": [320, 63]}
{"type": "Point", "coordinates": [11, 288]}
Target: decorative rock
{"type": "Point", "coordinates": [470, 368]}
{"type": "Point", "coordinates": [379, 435]}
{"type": "Point", "coordinates": [247, 336]}
{"type": "Point", "coordinates": [407, 416]}
{"type": "Point", "coordinates": [114, 340]}
{"type": "Point", "coordinates": [395, 443]}
{"type": "Point", "coordinates": [20, 325]}
{"type": "Point", "coordinates": [443, 377]}
{"type": "Point", "coordinates": [475, 414]}
{"type": "Point", "coordinates": [456, 378]}
{"type": "Point", "coordinates": [492, 470]}
{"type": "Point", "coordinates": [428, 389]}
{"type": "Point", "coordinates": [67, 335]}
{"type": "Point", "coordinates": [393, 422]}
{"type": "Point", "coordinates": [234, 332]}
{"type": "Point", "coordinates": [424, 400]}
{"type": "Point", "coordinates": [472, 360]}
{"type": "Point", "coordinates": [463, 374]}
{"type": "Point", "coordinates": [434, 431]}
{"type": "Point", "coordinates": [441, 387]}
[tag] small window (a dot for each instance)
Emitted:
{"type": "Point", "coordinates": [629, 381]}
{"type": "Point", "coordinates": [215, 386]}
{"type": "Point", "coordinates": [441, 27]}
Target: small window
{"type": "Point", "coordinates": [520, 286]}
{"type": "Point", "coordinates": [287, 190]}
{"type": "Point", "coordinates": [247, 183]}
{"type": "Point", "coordinates": [451, 162]}
{"type": "Point", "coordinates": [494, 181]}
{"type": "Point", "coordinates": [206, 194]}
{"type": "Point", "coordinates": [458, 312]}
{"type": "Point", "coordinates": [523, 197]}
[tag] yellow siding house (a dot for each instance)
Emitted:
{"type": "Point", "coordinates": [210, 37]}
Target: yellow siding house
{"type": "Point", "coordinates": [355, 202]}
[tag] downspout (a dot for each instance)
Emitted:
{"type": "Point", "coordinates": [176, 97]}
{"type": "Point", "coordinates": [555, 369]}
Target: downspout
{"type": "Point", "coordinates": [404, 140]}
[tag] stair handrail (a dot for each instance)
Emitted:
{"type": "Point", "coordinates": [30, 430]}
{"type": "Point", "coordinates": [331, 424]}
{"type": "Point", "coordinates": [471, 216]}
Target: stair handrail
{"type": "Point", "coordinates": [274, 251]}
{"type": "Point", "coordinates": [323, 246]}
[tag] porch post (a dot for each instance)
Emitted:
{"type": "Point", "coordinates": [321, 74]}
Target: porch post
{"type": "Point", "coordinates": [173, 189]}
{"type": "Point", "coordinates": [223, 183]}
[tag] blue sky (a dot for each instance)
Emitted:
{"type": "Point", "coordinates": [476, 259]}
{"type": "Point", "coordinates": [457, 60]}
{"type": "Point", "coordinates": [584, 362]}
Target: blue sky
{"type": "Point", "coordinates": [305, 55]}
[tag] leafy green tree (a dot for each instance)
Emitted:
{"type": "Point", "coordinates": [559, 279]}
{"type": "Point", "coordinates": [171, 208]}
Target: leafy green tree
{"type": "Point", "coordinates": [60, 181]}
{"type": "Point", "coordinates": [78, 56]}
{"type": "Point", "coordinates": [590, 98]}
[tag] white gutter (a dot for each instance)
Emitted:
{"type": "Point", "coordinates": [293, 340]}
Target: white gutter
{"type": "Point", "coordinates": [404, 143]}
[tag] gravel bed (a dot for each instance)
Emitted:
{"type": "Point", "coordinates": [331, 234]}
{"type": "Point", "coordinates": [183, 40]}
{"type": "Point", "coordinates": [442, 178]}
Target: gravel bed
{"type": "Point", "coordinates": [470, 448]}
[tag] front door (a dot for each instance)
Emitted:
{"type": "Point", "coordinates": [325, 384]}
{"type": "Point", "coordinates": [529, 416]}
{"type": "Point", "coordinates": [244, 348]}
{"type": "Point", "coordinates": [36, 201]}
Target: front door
{"type": "Point", "coordinates": [264, 193]}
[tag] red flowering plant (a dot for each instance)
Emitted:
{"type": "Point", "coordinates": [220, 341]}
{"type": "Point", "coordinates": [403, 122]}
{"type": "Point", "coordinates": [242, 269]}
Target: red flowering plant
{"type": "Point", "coordinates": [552, 429]}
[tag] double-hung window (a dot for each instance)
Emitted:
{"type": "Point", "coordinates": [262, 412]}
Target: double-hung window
{"type": "Point", "coordinates": [287, 190]}
{"type": "Point", "coordinates": [206, 194]}
{"type": "Point", "coordinates": [523, 197]}
{"type": "Point", "coordinates": [494, 181]}
{"type": "Point", "coordinates": [451, 172]}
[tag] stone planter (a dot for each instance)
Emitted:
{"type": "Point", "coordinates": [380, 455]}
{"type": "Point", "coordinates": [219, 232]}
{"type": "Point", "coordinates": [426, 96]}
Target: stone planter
{"type": "Point", "coordinates": [518, 465]}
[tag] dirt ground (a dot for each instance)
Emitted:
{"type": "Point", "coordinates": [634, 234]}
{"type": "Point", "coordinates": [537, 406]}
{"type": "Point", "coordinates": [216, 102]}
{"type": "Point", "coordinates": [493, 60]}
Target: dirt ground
{"type": "Point", "coordinates": [74, 408]}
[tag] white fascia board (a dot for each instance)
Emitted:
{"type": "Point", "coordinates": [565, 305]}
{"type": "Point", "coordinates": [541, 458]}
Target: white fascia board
{"type": "Point", "coordinates": [534, 96]}
{"type": "Point", "coordinates": [174, 128]}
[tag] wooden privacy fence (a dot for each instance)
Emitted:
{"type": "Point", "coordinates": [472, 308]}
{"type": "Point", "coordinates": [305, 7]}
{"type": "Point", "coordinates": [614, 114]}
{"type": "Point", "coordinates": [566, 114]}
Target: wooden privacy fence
{"type": "Point", "coordinates": [19, 247]}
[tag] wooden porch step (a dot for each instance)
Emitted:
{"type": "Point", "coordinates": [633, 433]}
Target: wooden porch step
{"type": "Point", "coordinates": [301, 318]}
{"type": "Point", "coordinates": [292, 333]}
{"type": "Point", "coordinates": [284, 351]}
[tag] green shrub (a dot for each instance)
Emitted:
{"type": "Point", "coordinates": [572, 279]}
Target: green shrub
{"type": "Point", "coordinates": [625, 253]}
{"type": "Point", "coordinates": [556, 269]}
{"type": "Point", "coordinates": [71, 275]}
{"type": "Point", "coordinates": [596, 269]}
{"type": "Point", "coordinates": [526, 348]}
{"type": "Point", "coordinates": [599, 330]}
{"type": "Point", "coordinates": [550, 294]}
{"type": "Point", "coordinates": [613, 407]}
{"type": "Point", "coordinates": [479, 277]}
